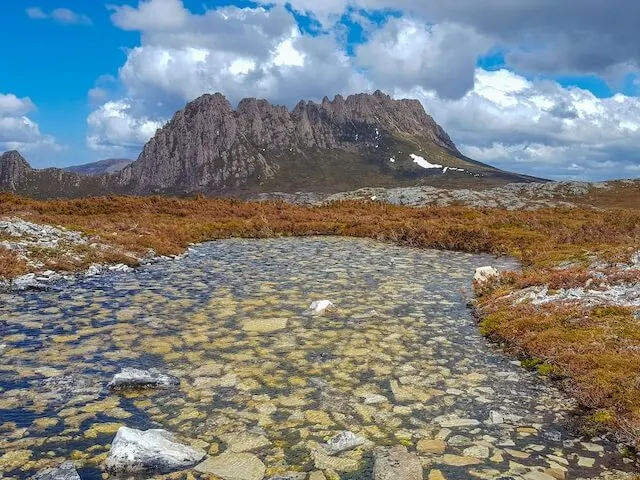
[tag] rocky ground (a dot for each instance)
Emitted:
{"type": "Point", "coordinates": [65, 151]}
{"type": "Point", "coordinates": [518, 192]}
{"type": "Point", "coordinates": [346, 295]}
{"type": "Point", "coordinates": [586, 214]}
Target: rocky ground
{"type": "Point", "coordinates": [45, 247]}
{"type": "Point", "coordinates": [603, 284]}
{"type": "Point", "coordinates": [514, 196]}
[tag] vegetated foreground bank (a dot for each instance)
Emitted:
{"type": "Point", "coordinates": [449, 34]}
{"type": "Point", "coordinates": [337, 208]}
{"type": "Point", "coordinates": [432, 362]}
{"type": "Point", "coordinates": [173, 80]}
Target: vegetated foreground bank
{"type": "Point", "coordinates": [583, 328]}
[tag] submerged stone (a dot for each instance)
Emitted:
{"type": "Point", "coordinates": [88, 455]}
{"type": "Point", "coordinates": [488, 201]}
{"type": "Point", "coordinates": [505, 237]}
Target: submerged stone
{"type": "Point", "coordinates": [233, 466]}
{"type": "Point", "coordinates": [239, 442]}
{"type": "Point", "coordinates": [396, 463]}
{"type": "Point", "coordinates": [136, 378]}
{"type": "Point", "coordinates": [134, 451]}
{"type": "Point", "coordinates": [66, 471]}
{"type": "Point", "coordinates": [265, 325]}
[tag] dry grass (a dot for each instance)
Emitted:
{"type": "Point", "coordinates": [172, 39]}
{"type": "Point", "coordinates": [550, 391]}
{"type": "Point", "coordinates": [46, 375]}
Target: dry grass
{"type": "Point", "coordinates": [597, 351]}
{"type": "Point", "coordinates": [10, 265]}
{"type": "Point", "coordinates": [167, 225]}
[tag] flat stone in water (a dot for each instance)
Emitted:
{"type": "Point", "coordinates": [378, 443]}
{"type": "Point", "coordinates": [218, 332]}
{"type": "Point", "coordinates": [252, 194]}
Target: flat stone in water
{"type": "Point", "coordinates": [343, 441]}
{"type": "Point", "coordinates": [233, 466]}
{"type": "Point", "coordinates": [396, 463]}
{"type": "Point", "coordinates": [66, 471]}
{"type": "Point", "coordinates": [265, 325]}
{"type": "Point", "coordinates": [239, 442]}
{"type": "Point", "coordinates": [137, 378]}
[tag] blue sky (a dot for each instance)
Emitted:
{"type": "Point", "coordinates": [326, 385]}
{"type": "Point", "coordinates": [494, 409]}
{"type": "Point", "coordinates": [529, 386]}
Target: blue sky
{"type": "Point", "coordinates": [539, 88]}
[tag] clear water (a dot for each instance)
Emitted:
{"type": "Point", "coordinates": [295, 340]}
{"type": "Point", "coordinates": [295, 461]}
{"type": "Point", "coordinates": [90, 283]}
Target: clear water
{"type": "Point", "coordinates": [298, 385]}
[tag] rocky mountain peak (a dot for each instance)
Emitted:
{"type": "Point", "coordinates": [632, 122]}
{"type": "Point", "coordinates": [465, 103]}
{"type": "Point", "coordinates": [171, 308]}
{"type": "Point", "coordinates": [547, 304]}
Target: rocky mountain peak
{"type": "Point", "coordinates": [366, 139]}
{"type": "Point", "coordinates": [13, 168]}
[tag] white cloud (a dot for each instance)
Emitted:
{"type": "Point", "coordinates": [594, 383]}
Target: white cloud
{"type": "Point", "coordinates": [17, 131]}
{"type": "Point", "coordinates": [150, 15]}
{"type": "Point", "coordinates": [60, 15]}
{"type": "Point", "coordinates": [117, 129]}
{"type": "Point", "coordinates": [64, 15]}
{"type": "Point", "coordinates": [12, 105]}
{"type": "Point", "coordinates": [540, 127]}
{"type": "Point", "coordinates": [36, 13]}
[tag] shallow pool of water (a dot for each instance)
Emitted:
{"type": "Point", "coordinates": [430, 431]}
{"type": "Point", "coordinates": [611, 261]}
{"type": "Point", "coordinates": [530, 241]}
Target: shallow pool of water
{"type": "Point", "coordinates": [399, 361]}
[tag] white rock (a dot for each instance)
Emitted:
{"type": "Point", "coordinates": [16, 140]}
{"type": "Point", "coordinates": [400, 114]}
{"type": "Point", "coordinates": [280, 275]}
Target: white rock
{"type": "Point", "coordinates": [343, 441]}
{"type": "Point", "coordinates": [320, 306]}
{"type": "Point", "coordinates": [154, 450]}
{"type": "Point", "coordinates": [374, 398]}
{"type": "Point", "coordinates": [483, 274]}
{"type": "Point", "coordinates": [496, 417]}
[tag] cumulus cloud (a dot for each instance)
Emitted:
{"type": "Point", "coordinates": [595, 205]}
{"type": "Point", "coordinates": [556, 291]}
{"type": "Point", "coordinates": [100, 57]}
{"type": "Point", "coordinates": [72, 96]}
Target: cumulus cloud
{"type": "Point", "coordinates": [118, 128]}
{"type": "Point", "coordinates": [569, 36]}
{"type": "Point", "coordinates": [406, 53]}
{"type": "Point", "coordinates": [540, 127]}
{"type": "Point", "coordinates": [17, 131]}
{"type": "Point", "coordinates": [150, 15]}
{"type": "Point", "coordinates": [60, 15]}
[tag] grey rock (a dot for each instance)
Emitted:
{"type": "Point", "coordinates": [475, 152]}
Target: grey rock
{"type": "Point", "coordinates": [136, 378]}
{"type": "Point", "coordinates": [27, 282]}
{"type": "Point", "coordinates": [66, 471]}
{"type": "Point", "coordinates": [157, 451]}
{"type": "Point", "coordinates": [396, 463]}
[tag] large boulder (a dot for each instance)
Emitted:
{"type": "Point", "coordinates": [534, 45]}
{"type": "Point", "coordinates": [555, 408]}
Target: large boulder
{"type": "Point", "coordinates": [396, 463]}
{"type": "Point", "coordinates": [156, 451]}
{"type": "Point", "coordinates": [136, 378]}
{"type": "Point", "coordinates": [66, 471]}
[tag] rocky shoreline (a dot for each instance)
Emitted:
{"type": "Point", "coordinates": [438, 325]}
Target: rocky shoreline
{"type": "Point", "coordinates": [28, 240]}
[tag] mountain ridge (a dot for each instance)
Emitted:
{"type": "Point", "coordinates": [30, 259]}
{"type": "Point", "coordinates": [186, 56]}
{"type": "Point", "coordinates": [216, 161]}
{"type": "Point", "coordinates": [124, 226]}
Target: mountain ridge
{"type": "Point", "coordinates": [100, 167]}
{"type": "Point", "coordinates": [363, 140]}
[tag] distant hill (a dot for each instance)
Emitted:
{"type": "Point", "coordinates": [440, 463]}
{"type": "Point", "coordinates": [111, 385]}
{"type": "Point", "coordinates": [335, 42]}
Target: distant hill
{"type": "Point", "coordinates": [110, 165]}
{"type": "Point", "coordinates": [364, 140]}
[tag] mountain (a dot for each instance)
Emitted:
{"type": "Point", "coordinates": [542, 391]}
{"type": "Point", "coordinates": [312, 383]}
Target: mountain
{"type": "Point", "coordinates": [109, 165]}
{"type": "Point", "coordinates": [208, 147]}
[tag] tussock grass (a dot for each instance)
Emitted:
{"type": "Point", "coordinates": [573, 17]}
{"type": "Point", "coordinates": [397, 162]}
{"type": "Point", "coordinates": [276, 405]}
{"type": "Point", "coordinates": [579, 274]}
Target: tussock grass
{"type": "Point", "coordinates": [10, 265]}
{"type": "Point", "coordinates": [595, 351]}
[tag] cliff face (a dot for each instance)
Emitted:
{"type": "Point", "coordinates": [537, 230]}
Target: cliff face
{"type": "Point", "coordinates": [208, 147]}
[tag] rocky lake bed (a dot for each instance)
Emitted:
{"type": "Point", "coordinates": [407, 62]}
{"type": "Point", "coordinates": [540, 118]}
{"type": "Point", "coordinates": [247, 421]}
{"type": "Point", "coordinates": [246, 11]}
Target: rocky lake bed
{"type": "Point", "coordinates": [387, 379]}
